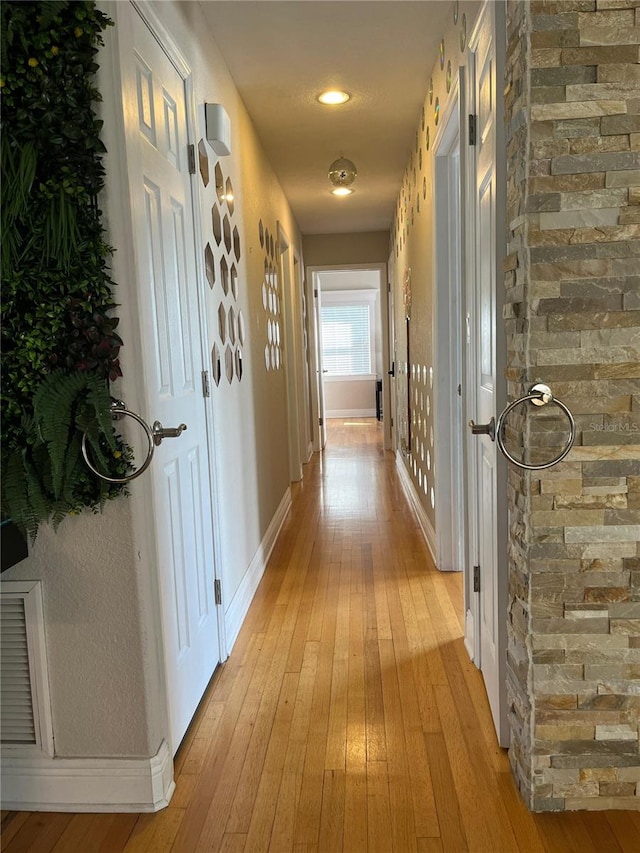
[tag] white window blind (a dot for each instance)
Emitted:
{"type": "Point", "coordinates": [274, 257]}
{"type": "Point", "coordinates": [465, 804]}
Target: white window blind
{"type": "Point", "coordinates": [346, 340]}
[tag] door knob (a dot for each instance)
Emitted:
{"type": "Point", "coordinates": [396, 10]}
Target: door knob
{"type": "Point", "coordinates": [484, 429]}
{"type": "Point", "coordinates": [160, 432]}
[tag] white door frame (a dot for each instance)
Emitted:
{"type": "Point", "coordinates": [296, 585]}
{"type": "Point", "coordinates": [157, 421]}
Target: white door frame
{"type": "Point", "coordinates": [390, 367]}
{"type": "Point", "coordinates": [492, 15]}
{"type": "Point", "coordinates": [306, 429]}
{"type": "Point", "coordinates": [447, 337]}
{"type": "Point", "coordinates": [316, 393]}
{"type": "Point", "coordinates": [131, 387]}
{"type": "Point", "coordinates": [316, 388]}
{"type": "Point", "coordinates": [293, 358]}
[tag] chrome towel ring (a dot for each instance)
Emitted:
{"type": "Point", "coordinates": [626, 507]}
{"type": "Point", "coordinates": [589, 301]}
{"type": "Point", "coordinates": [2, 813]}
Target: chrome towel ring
{"type": "Point", "coordinates": [540, 395]}
{"type": "Point", "coordinates": [119, 411]}
{"type": "Point", "coordinates": [155, 436]}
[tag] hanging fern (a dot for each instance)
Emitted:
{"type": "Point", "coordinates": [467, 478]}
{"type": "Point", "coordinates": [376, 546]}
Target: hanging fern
{"type": "Point", "coordinates": [49, 479]}
{"type": "Point", "coordinates": [59, 341]}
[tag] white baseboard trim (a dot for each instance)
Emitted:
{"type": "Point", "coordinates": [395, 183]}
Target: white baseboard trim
{"type": "Point", "coordinates": [425, 525]}
{"type": "Point", "coordinates": [239, 605]}
{"type": "Point", "coordinates": [350, 413]}
{"type": "Point", "coordinates": [49, 784]}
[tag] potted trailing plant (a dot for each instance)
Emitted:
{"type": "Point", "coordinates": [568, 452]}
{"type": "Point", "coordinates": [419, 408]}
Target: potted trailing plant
{"type": "Point", "coordinates": [59, 340]}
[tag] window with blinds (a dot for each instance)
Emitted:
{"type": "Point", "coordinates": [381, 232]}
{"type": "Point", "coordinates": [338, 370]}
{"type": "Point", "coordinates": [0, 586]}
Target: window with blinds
{"type": "Point", "coordinates": [346, 340]}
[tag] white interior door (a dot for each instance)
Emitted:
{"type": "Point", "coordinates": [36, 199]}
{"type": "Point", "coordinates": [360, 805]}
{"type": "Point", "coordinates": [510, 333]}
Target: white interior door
{"type": "Point", "coordinates": [168, 303]}
{"type": "Point", "coordinates": [447, 336]}
{"type": "Point", "coordinates": [317, 321]}
{"type": "Point", "coordinates": [391, 415]}
{"type": "Point", "coordinates": [484, 373]}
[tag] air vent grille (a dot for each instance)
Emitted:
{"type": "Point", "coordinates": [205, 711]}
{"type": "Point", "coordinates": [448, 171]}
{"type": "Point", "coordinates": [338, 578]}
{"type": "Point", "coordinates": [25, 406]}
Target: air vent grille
{"type": "Point", "coordinates": [16, 697]}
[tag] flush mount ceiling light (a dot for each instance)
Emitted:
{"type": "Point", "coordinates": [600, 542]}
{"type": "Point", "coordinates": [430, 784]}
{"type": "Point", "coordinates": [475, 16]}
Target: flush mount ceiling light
{"type": "Point", "coordinates": [342, 172]}
{"type": "Point", "coordinates": [341, 191]}
{"type": "Point", "coordinates": [334, 97]}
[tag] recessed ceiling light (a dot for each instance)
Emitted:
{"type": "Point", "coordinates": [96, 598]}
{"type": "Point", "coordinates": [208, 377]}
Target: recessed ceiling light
{"type": "Point", "coordinates": [333, 97]}
{"type": "Point", "coordinates": [341, 191]}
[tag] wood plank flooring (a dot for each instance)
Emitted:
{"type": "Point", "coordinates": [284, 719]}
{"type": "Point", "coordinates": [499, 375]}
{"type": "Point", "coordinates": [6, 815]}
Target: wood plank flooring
{"type": "Point", "coordinates": [348, 717]}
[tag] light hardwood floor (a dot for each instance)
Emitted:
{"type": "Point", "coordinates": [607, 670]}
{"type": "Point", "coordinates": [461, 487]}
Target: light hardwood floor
{"type": "Point", "coordinates": [348, 717]}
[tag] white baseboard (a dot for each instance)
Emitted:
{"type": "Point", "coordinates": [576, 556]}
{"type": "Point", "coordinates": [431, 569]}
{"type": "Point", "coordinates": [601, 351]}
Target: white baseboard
{"type": "Point", "coordinates": [239, 604]}
{"type": "Point", "coordinates": [425, 525]}
{"type": "Point", "coordinates": [350, 413]}
{"type": "Point", "coordinates": [43, 783]}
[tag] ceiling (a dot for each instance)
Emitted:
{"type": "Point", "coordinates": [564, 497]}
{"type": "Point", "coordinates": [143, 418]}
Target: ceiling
{"type": "Point", "coordinates": [281, 55]}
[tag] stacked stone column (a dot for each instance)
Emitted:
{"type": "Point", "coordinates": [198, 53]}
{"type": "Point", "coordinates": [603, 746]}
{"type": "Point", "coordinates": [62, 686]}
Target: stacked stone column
{"type": "Point", "coordinates": [572, 318]}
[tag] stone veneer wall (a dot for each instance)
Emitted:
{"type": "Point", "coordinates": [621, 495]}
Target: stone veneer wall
{"type": "Point", "coordinates": [573, 320]}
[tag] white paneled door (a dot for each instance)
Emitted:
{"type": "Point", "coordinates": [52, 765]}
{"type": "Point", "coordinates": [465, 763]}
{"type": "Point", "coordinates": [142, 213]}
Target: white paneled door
{"type": "Point", "coordinates": [490, 615]}
{"type": "Point", "coordinates": [168, 304]}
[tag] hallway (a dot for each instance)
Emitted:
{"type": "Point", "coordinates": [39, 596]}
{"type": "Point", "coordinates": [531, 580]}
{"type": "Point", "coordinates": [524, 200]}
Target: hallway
{"type": "Point", "coordinates": [348, 717]}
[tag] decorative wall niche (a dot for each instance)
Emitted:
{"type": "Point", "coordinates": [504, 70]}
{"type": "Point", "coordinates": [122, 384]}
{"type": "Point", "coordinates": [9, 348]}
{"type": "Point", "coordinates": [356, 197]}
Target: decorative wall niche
{"type": "Point", "coordinates": [271, 301]}
{"type": "Point", "coordinates": [224, 275]}
{"type": "Point", "coordinates": [215, 364]}
{"type": "Point", "coordinates": [229, 196]}
{"type": "Point", "coordinates": [226, 230]}
{"type": "Point", "coordinates": [203, 162]}
{"type": "Point", "coordinates": [209, 265]}
{"type": "Point", "coordinates": [228, 363]}
{"type": "Point", "coordinates": [233, 275]}
{"type": "Point", "coordinates": [222, 263]}
{"type": "Point", "coordinates": [222, 322]}
{"type": "Point", "coordinates": [217, 224]}
{"type": "Point", "coordinates": [219, 184]}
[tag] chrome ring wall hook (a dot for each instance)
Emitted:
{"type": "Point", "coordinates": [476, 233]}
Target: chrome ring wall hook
{"type": "Point", "coordinates": [119, 411]}
{"type": "Point", "coordinates": [540, 395]}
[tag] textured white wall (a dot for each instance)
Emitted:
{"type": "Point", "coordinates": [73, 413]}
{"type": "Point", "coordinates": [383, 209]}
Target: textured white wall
{"type": "Point", "coordinates": [94, 646]}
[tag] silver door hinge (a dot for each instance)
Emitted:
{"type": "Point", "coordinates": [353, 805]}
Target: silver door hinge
{"type": "Point", "coordinates": [476, 578]}
{"type": "Point", "coordinates": [217, 590]}
{"type": "Point", "coordinates": [473, 129]}
{"type": "Point", "coordinates": [206, 387]}
{"type": "Point", "coordinates": [191, 157]}
{"type": "Point", "coordinates": [321, 421]}
{"type": "Point", "coordinates": [315, 292]}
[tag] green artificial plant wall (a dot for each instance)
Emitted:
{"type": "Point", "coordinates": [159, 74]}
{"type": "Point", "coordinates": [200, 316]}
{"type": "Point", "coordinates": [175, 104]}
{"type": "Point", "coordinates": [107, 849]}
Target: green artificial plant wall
{"type": "Point", "coordinates": [59, 340]}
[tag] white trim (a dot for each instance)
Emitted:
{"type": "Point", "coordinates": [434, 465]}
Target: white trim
{"type": "Point", "coordinates": [292, 301]}
{"type": "Point", "coordinates": [146, 10]}
{"type": "Point", "coordinates": [239, 604]}
{"type": "Point", "coordinates": [350, 413]}
{"type": "Point", "coordinates": [447, 329]}
{"type": "Point", "coordinates": [350, 377]}
{"type": "Point", "coordinates": [470, 643]}
{"type": "Point", "coordinates": [88, 784]}
{"type": "Point", "coordinates": [410, 491]}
